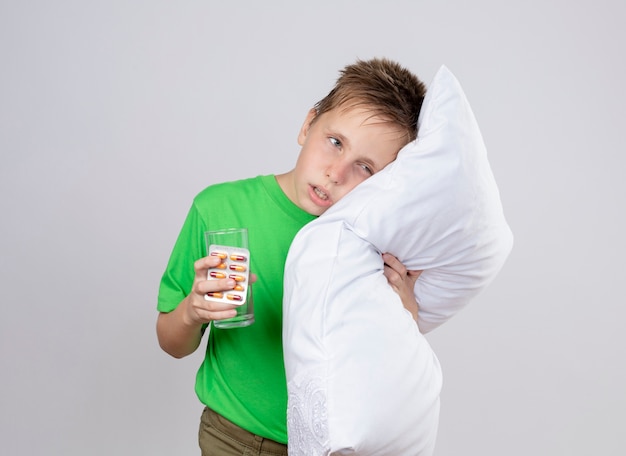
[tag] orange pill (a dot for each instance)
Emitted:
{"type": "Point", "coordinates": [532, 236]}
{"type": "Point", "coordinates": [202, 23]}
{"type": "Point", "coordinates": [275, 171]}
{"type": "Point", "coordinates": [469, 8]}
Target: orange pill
{"type": "Point", "coordinates": [221, 255]}
{"type": "Point", "coordinates": [237, 267]}
{"type": "Point", "coordinates": [237, 277]}
{"type": "Point", "coordinates": [217, 275]}
{"type": "Point", "coordinates": [238, 257]}
{"type": "Point", "coordinates": [221, 266]}
{"type": "Point", "coordinates": [238, 287]}
{"type": "Point", "coordinates": [215, 295]}
{"type": "Point", "coordinates": [234, 297]}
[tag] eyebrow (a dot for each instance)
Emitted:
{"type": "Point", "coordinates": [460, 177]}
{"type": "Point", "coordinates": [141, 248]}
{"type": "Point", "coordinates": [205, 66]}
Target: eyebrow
{"type": "Point", "coordinates": [377, 166]}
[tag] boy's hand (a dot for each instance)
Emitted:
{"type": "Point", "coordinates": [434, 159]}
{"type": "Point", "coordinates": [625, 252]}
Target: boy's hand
{"type": "Point", "coordinates": [179, 331]}
{"type": "Point", "coordinates": [200, 310]}
{"type": "Point", "coordinates": [402, 281]}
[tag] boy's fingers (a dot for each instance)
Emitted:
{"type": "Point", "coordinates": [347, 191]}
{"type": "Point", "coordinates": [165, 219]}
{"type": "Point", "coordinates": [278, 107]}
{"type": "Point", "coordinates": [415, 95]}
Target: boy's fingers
{"type": "Point", "coordinates": [208, 310]}
{"type": "Point", "coordinates": [392, 276]}
{"type": "Point", "coordinates": [394, 263]}
{"type": "Point", "coordinates": [414, 274]}
{"type": "Point", "coordinates": [206, 263]}
{"type": "Point", "coordinates": [212, 286]}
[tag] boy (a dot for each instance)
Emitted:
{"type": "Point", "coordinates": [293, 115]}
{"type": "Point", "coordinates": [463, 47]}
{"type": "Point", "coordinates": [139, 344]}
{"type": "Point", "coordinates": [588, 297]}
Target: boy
{"type": "Point", "coordinates": [354, 132]}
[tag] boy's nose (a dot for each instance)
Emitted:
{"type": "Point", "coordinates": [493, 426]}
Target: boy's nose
{"type": "Point", "coordinates": [336, 172]}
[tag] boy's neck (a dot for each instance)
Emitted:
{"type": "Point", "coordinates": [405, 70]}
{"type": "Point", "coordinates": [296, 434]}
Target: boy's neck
{"type": "Point", "coordinates": [285, 182]}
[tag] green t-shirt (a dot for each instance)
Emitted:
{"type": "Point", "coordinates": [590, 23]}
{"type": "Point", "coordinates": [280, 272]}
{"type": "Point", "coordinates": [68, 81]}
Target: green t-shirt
{"type": "Point", "coordinates": [242, 376]}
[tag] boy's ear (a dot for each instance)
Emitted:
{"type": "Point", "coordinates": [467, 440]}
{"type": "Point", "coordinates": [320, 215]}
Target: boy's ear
{"type": "Point", "coordinates": [304, 130]}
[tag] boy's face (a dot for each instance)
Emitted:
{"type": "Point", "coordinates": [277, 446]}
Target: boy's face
{"type": "Point", "coordinates": [340, 149]}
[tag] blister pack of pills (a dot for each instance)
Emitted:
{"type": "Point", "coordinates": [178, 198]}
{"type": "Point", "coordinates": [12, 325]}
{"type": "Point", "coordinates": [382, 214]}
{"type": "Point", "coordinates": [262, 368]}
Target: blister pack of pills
{"type": "Point", "coordinates": [234, 265]}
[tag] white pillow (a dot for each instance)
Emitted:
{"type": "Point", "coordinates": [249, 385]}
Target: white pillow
{"type": "Point", "coordinates": [362, 379]}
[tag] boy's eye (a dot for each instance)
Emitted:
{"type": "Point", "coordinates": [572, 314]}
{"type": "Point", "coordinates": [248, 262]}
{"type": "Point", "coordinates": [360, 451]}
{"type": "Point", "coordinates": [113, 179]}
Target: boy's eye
{"type": "Point", "coordinates": [367, 169]}
{"type": "Point", "coordinates": [335, 142]}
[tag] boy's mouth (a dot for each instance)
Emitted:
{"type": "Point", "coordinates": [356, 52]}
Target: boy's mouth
{"type": "Point", "coordinates": [320, 193]}
{"type": "Point", "coordinates": [319, 196]}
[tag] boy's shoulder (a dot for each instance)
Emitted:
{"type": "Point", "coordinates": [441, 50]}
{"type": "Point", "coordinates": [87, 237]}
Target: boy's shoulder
{"type": "Point", "coordinates": [231, 190]}
{"type": "Point", "coordinates": [230, 186]}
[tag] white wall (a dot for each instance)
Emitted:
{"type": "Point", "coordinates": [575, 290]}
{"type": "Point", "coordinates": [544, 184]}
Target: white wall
{"type": "Point", "coordinates": [114, 114]}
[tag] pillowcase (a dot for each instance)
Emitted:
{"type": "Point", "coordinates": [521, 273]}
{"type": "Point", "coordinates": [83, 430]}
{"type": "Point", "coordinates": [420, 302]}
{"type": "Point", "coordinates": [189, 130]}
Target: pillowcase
{"type": "Point", "coordinates": [361, 377]}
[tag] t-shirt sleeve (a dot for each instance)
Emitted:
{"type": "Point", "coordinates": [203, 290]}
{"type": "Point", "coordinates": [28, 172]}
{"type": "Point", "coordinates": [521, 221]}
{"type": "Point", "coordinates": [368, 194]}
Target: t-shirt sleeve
{"type": "Point", "coordinates": [178, 277]}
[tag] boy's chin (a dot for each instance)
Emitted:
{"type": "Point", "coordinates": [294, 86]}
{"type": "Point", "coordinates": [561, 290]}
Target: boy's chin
{"type": "Point", "coordinates": [316, 210]}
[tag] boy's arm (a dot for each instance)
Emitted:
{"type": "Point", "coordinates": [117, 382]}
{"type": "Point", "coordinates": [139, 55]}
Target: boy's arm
{"type": "Point", "coordinates": [402, 281]}
{"type": "Point", "coordinates": [180, 331]}
{"type": "Point", "coordinates": [178, 337]}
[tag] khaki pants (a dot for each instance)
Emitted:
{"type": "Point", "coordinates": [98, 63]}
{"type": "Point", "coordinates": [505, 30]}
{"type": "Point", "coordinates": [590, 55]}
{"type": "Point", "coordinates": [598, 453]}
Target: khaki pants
{"type": "Point", "coordinates": [219, 437]}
